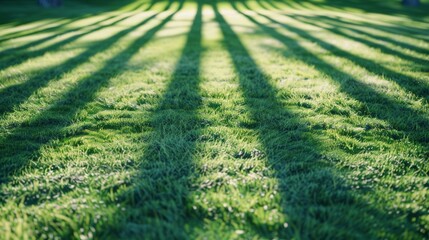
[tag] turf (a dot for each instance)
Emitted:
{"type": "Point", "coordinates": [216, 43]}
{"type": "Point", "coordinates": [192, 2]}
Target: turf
{"type": "Point", "coordinates": [214, 120]}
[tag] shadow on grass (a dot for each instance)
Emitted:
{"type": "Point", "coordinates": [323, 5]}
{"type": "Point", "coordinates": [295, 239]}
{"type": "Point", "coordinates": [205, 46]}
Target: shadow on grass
{"type": "Point", "coordinates": [358, 26]}
{"type": "Point", "coordinates": [263, 4]}
{"type": "Point", "coordinates": [33, 26]}
{"type": "Point", "coordinates": [15, 52]}
{"type": "Point", "coordinates": [17, 58]}
{"type": "Point", "coordinates": [316, 199]}
{"type": "Point", "coordinates": [356, 36]}
{"type": "Point", "coordinates": [52, 123]}
{"type": "Point", "coordinates": [401, 117]}
{"type": "Point", "coordinates": [34, 31]}
{"type": "Point", "coordinates": [14, 95]}
{"type": "Point", "coordinates": [156, 201]}
{"type": "Point", "coordinates": [57, 29]}
{"type": "Point", "coordinates": [21, 12]}
{"type": "Point", "coordinates": [394, 8]}
{"type": "Point", "coordinates": [416, 86]}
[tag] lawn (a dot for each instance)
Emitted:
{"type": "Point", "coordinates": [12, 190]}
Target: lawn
{"type": "Point", "coordinates": [214, 120]}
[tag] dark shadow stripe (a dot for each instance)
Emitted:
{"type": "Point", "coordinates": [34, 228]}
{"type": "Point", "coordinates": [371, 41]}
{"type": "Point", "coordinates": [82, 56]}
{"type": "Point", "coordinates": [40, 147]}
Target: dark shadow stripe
{"type": "Point", "coordinates": [156, 201]}
{"type": "Point", "coordinates": [314, 194]}
{"type": "Point", "coordinates": [417, 86]}
{"type": "Point", "coordinates": [340, 31]}
{"type": "Point", "coordinates": [17, 94]}
{"type": "Point", "coordinates": [290, 153]}
{"type": "Point", "coordinates": [50, 123]}
{"type": "Point", "coordinates": [381, 7]}
{"type": "Point", "coordinates": [11, 53]}
{"type": "Point", "coordinates": [261, 3]}
{"type": "Point", "coordinates": [17, 58]}
{"type": "Point", "coordinates": [6, 53]}
{"type": "Point", "coordinates": [379, 105]}
{"type": "Point", "coordinates": [357, 27]}
{"type": "Point", "coordinates": [36, 27]}
{"type": "Point", "coordinates": [273, 5]}
{"type": "Point", "coordinates": [36, 31]}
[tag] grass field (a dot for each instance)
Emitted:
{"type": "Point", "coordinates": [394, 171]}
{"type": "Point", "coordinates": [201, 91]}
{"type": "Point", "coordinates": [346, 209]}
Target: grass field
{"type": "Point", "coordinates": [214, 120]}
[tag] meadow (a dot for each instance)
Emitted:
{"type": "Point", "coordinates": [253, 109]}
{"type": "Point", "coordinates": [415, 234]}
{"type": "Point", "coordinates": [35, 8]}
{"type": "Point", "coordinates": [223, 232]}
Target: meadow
{"type": "Point", "coordinates": [214, 120]}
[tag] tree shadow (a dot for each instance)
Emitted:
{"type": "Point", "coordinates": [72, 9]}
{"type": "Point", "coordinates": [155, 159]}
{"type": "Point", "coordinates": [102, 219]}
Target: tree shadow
{"type": "Point", "coordinates": [273, 4]}
{"type": "Point", "coordinates": [141, 4]}
{"type": "Point", "coordinates": [12, 12]}
{"type": "Point", "coordinates": [152, 4]}
{"type": "Point", "coordinates": [410, 122]}
{"type": "Point", "coordinates": [355, 26]}
{"type": "Point", "coordinates": [342, 31]}
{"type": "Point", "coordinates": [156, 201]}
{"type": "Point", "coordinates": [262, 4]}
{"type": "Point", "coordinates": [51, 123]}
{"type": "Point", "coordinates": [381, 7]}
{"type": "Point", "coordinates": [58, 29]}
{"type": "Point", "coordinates": [318, 202]}
{"type": "Point", "coordinates": [17, 58]}
{"type": "Point", "coordinates": [12, 52]}
{"type": "Point", "coordinates": [356, 8]}
{"type": "Point", "coordinates": [418, 87]}
{"type": "Point", "coordinates": [26, 33]}
{"type": "Point", "coordinates": [421, 33]}
{"type": "Point", "coordinates": [55, 33]}
{"type": "Point", "coordinates": [14, 95]}
{"type": "Point", "coordinates": [33, 26]}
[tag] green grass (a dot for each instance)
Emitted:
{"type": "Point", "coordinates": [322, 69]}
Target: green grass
{"type": "Point", "coordinates": [214, 120]}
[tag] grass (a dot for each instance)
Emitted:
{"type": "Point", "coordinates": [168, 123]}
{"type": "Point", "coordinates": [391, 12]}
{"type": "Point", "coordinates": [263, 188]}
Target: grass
{"type": "Point", "coordinates": [214, 120]}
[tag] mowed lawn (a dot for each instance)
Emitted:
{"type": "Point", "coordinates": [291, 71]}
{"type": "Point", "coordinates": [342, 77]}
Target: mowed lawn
{"type": "Point", "coordinates": [214, 120]}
